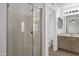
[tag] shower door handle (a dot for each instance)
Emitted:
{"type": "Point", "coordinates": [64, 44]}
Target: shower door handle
{"type": "Point", "coordinates": [31, 32]}
{"type": "Point", "coordinates": [22, 26]}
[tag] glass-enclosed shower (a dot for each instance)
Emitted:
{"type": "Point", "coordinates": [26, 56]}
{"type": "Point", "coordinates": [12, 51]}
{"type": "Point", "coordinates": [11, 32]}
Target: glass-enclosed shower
{"type": "Point", "coordinates": [24, 30]}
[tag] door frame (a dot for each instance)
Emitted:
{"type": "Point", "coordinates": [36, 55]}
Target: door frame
{"type": "Point", "coordinates": [49, 6]}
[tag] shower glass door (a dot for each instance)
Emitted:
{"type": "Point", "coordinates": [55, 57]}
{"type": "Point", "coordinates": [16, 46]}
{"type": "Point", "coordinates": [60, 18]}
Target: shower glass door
{"type": "Point", "coordinates": [20, 26]}
{"type": "Point", "coordinates": [24, 30]}
{"type": "Point", "coordinates": [24, 36]}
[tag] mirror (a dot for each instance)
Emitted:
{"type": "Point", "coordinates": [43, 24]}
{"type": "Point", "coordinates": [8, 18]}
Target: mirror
{"type": "Point", "coordinates": [72, 24]}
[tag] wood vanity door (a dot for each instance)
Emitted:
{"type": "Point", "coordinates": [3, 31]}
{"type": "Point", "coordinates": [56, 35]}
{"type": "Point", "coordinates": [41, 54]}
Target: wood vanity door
{"type": "Point", "coordinates": [60, 41]}
{"type": "Point", "coordinates": [67, 43]}
{"type": "Point", "coordinates": [64, 42]}
{"type": "Point", "coordinates": [75, 45]}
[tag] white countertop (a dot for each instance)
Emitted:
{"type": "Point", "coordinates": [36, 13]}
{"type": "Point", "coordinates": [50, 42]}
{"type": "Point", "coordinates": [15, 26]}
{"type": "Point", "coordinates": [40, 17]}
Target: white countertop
{"type": "Point", "coordinates": [69, 35]}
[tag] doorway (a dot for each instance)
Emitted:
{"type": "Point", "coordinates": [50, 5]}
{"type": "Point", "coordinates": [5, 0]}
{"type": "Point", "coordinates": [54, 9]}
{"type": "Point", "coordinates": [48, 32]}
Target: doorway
{"type": "Point", "coordinates": [24, 30]}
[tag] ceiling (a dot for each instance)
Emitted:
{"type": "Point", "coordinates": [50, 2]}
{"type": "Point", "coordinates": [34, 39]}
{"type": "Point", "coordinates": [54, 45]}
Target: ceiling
{"type": "Point", "coordinates": [62, 5]}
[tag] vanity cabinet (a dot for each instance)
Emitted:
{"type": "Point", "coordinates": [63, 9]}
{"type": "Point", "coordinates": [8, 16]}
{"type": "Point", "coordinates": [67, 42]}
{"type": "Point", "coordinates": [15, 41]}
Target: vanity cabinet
{"type": "Point", "coordinates": [75, 45]}
{"type": "Point", "coordinates": [68, 43]}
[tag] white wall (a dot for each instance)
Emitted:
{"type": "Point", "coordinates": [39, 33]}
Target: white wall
{"type": "Point", "coordinates": [51, 27]}
{"type": "Point", "coordinates": [2, 29]}
{"type": "Point", "coordinates": [58, 14]}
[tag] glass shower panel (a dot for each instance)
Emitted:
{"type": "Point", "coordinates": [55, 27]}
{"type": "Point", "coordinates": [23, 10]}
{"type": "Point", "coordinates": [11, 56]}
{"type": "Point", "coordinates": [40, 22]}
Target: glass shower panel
{"type": "Point", "coordinates": [28, 36]}
{"type": "Point", "coordinates": [20, 25]}
{"type": "Point", "coordinates": [37, 31]}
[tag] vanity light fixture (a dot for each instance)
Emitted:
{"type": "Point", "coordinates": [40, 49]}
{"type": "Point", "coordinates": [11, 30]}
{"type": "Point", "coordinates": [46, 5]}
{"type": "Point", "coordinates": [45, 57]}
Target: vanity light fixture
{"type": "Point", "coordinates": [69, 11]}
{"type": "Point", "coordinates": [76, 10]}
{"type": "Point", "coordinates": [73, 11]}
{"type": "Point", "coordinates": [66, 12]}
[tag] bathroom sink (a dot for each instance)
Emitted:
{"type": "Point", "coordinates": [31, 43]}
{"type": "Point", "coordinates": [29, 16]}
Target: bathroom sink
{"type": "Point", "coordinates": [74, 35]}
